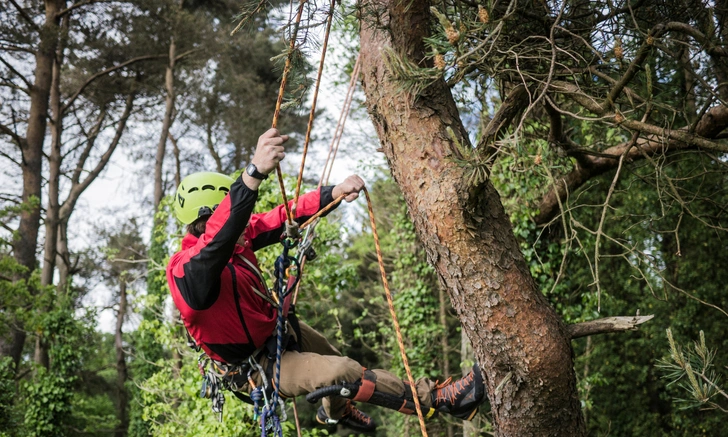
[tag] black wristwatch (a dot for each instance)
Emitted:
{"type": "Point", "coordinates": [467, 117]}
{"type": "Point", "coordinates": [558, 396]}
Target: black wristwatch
{"type": "Point", "coordinates": [253, 172]}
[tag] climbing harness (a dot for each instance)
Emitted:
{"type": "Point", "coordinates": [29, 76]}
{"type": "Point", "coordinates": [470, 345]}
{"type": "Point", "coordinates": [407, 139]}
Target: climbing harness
{"type": "Point", "coordinates": [266, 399]}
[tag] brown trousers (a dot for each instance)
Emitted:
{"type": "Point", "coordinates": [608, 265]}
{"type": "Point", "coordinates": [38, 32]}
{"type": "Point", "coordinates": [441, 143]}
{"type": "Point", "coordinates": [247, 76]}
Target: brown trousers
{"type": "Point", "coordinates": [319, 364]}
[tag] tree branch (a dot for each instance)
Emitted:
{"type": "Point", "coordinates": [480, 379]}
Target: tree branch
{"type": "Point", "coordinates": [28, 85]}
{"type": "Point", "coordinates": [25, 16]}
{"type": "Point", "coordinates": [185, 54]}
{"type": "Point", "coordinates": [514, 103]}
{"type": "Point", "coordinates": [606, 325]}
{"type": "Point", "coordinates": [211, 148]}
{"type": "Point", "coordinates": [659, 140]}
{"type": "Point", "coordinates": [105, 72]}
{"type": "Point", "coordinates": [90, 142]}
{"type": "Point", "coordinates": [177, 164]}
{"type": "Point", "coordinates": [79, 188]}
{"type": "Point", "coordinates": [710, 47]}
{"type": "Point", "coordinates": [627, 90]}
{"type": "Point", "coordinates": [634, 66]}
{"type": "Point", "coordinates": [19, 141]}
{"type": "Point", "coordinates": [12, 48]}
{"type": "Point", "coordinates": [680, 135]}
{"type": "Point", "coordinates": [76, 6]}
{"type": "Point", "coordinates": [10, 158]}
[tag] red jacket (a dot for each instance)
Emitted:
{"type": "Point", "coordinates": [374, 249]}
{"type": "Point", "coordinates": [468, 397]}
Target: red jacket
{"type": "Point", "coordinates": [214, 289]}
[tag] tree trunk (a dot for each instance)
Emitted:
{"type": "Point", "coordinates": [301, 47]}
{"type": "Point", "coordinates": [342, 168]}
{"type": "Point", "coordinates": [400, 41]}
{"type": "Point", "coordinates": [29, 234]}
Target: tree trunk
{"type": "Point", "coordinates": [63, 261]}
{"type": "Point", "coordinates": [122, 374]}
{"type": "Point", "coordinates": [166, 124]}
{"type": "Point", "coordinates": [24, 246]}
{"type": "Point", "coordinates": [520, 342]}
{"type": "Point", "coordinates": [55, 160]}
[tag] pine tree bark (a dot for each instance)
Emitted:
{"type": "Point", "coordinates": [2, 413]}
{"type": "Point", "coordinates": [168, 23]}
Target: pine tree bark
{"type": "Point", "coordinates": [520, 342]}
{"type": "Point", "coordinates": [24, 247]}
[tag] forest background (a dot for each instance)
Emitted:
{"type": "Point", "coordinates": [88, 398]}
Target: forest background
{"type": "Point", "coordinates": [162, 87]}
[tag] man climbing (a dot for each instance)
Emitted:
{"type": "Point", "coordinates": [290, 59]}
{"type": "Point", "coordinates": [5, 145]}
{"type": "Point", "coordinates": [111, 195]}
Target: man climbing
{"type": "Point", "coordinates": [229, 311]}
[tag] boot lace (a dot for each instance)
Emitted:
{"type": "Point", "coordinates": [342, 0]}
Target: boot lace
{"type": "Point", "coordinates": [448, 391]}
{"type": "Point", "coordinates": [355, 414]}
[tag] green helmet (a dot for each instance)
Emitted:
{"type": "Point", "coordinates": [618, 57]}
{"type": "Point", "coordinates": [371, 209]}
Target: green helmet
{"type": "Point", "coordinates": [199, 193]}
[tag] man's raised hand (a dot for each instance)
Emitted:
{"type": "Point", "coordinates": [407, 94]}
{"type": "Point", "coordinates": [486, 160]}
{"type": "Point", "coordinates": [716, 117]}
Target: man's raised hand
{"type": "Point", "coordinates": [269, 151]}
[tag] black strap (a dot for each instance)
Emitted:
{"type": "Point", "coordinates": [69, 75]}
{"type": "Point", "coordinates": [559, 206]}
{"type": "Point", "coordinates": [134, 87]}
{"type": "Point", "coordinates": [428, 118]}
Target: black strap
{"type": "Point", "coordinates": [237, 302]}
{"type": "Point", "coordinates": [267, 295]}
{"type": "Point", "coordinates": [293, 320]}
{"type": "Point", "coordinates": [243, 397]}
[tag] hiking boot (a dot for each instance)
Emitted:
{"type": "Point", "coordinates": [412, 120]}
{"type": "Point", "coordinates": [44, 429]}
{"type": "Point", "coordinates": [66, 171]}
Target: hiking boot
{"type": "Point", "coordinates": [462, 397]}
{"type": "Point", "coordinates": [352, 418]}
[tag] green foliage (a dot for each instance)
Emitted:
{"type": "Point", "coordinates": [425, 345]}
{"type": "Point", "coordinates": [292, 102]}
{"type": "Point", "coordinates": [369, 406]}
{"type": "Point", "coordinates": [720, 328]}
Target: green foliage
{"type": "Point", "coordinates": [10, 417]}
{"type": "Point", "coordinates": [48, 396]}
{"type": "Point", "coordinates": [411, 78]}
{"type": "Point", "coordinates": [172, 407]}
{"type": "Point", "coordinates": [48, 404]}
{"type": "Point", "coordinates": [693, 369]}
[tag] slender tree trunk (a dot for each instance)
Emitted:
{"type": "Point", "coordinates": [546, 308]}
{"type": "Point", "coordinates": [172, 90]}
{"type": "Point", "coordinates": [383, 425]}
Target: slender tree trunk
{"type": "Point", "coordinates": [122, 374]}
{"type": "Point", "coordinates": [519, 341]}
{"type": "Point", "coordinates": [213, 152]}
{"type": "Point", "coordinates": [166, 124]}
{"type": "Point", "coordinates": [238, 156]}
{"type": "Point", "coordinates": [63, 261]}
{"type": "Point", "coordinates": [55, 160]}
{"type": "Point", "coordinates": [177, 162]}
{"type": "Point", "coordinates": [24, 246]}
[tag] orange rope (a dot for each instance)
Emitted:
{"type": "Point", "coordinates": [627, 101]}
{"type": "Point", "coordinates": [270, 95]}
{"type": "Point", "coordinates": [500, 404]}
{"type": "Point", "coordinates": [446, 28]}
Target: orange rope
{"type": "Point", "coordinates": [421, 418]}
{"type": "Point", "coordinates": [295, 416]}
{"type": "Point", "coordinates": [279, 102]}
{"type": "Point", "coordinates": [323, 211]}
{"type": "Point", "coordinates": [339, 129]}
{"type": "Point", "coordinates": [313, 105]}
{"type": "Point", "coordinates": [340, 124]}
{"type": "Point", "coordinates": [341, 133]}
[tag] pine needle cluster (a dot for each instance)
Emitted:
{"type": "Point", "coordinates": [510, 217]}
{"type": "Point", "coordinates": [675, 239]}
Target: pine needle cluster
{"type": "Point", "coordinates": [692, 369]}
{"type": "Point", "coordinates": [410, 77]}
{"type": "Point", "coordinates": [476, 168]}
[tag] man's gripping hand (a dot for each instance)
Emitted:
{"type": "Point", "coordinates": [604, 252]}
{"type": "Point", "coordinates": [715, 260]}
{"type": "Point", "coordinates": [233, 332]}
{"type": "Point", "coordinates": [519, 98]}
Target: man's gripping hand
{"type": "Point", "coordinates": [351, 187]}
{"type": "Point", "coordinates": [269, 151]}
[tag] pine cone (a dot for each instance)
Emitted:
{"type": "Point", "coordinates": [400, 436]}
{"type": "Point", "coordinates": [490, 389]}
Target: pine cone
{"type": "Point", "coordinates": [483, 15]}
{"type": "Point", "coordinates": [439, 61]}
{"type": "Point", "coordinates": [452, 35]}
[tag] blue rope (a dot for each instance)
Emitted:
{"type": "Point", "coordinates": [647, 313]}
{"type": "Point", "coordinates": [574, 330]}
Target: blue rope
{"type": "Point", "coordinates": [257, 397]}
{"type": "Point", "coordinates": [269, 417]}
